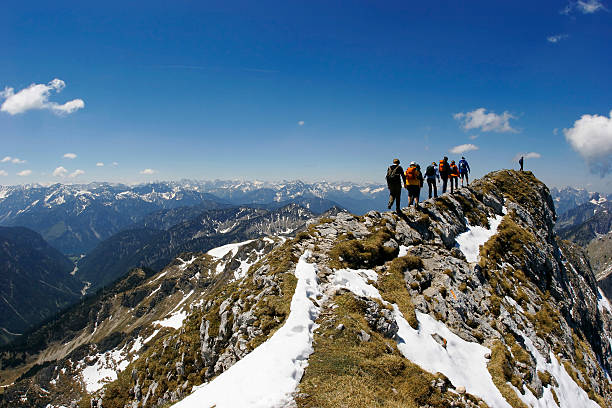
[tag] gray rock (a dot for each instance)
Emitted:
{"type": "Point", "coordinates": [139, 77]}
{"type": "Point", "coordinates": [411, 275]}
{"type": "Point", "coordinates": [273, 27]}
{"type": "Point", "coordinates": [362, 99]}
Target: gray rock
{"type": "Point", "coordinates": [363, 336]}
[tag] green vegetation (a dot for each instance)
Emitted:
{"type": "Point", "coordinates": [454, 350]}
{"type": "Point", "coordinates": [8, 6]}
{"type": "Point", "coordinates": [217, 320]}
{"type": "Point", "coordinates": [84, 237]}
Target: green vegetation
{"type": "Point", "coordinates": [517, 186]}
{"type": "Point", "coordinates": [510, 239]}
{"type": "Point", "coordinates": [349, 252]}
{"type": "Point", "coordinates": [272, 310]}
{"type": "Point", "coordinates": [500, 368]}
{"type": "Point", "coordinates": [545, 377]}
{"type": "Point", "coordinates": [393, 287]}
{"type": "Point", "coordinates": [546, 320]}
{"type": "Point", "coordinates": [474, 215]}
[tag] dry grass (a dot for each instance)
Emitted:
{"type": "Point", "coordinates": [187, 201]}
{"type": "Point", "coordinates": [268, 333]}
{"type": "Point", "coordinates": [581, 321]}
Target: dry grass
{"type": "Point", "coordinates": [349, 252]}
{"type": "Point", "coordinates": [393, 287]}
{"type": "Point", "coordinates": [501, 370]}
{"type": "Point", "coordinates": [345, 372]}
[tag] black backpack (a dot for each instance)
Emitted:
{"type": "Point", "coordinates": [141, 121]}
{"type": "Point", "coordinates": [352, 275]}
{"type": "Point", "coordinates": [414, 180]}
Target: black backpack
{"type": "Point", "coordinates": [431, 171]}
{"type": "Point", "coordinates": [393, 175]}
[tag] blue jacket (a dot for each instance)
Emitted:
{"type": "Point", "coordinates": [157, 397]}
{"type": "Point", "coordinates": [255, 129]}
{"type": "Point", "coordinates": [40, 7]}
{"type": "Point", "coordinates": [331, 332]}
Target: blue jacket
{"type": "Point", "coordinates": [464, 167]}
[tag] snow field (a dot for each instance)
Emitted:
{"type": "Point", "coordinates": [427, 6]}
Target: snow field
{"type": "Point", "coordinates": [462, 362]}
{"type": "Point", "coordinates": [470, 241]}
{"type": "Point", "coordinates": [569, 393]}
{"type": "Point", "coordinates": [104, 369]}
{"type": "Point", "coordinates": [221, 251]}
{"type": "Point", "coordinates": [267, 376]}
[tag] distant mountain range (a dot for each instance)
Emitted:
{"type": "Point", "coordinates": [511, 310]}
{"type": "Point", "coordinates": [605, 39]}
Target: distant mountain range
{"type": "Point", "coordinates": [589, 224]}
{"type": "Point", "coordinates": [35, 281]}
{"type": "Point", "coordinates": [158, 241]}
{"type": "Point", "coordinates": [567, 198]}
{"type": "Point", "coordinates": [75, 218]}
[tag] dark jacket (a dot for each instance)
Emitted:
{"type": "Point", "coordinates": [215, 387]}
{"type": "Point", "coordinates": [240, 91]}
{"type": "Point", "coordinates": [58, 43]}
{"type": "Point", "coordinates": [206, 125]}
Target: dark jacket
{"type": "Point", "coordinates": [446, 170]}
{"type": "Point", "coordinates": [395, 176]}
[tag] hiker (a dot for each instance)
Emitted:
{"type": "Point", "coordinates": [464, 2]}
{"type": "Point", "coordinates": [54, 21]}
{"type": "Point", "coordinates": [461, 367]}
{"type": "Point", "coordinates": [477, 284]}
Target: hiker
{"type": "Point", "coordinates": [454, 176]}
{"type": "Point", "coordinates": [521, 162]}
{"type": "Point", "coordinates": [444, 170]}
{"type": "Point", "coordinates": [414, 182]}
{"type": "Point", "coordinates": [431, 173]}
{"type": "Point", "coordinates": [395, 180]}
{"type": "Point", "coordinates": [464, 170]}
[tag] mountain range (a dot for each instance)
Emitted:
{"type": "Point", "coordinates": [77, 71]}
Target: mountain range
{"type": "Point", "coordinates": [35, 281]}
{"type": "Point", "coordinates": [158, 241]}
{"type": "Point", "coordinates": [469, 300]}
{"type": "Point", "coordinates": [75, 218]}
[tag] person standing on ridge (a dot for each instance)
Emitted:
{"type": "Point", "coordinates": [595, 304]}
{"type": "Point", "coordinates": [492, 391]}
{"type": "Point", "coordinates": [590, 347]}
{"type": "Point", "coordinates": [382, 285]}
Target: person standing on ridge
{"type": "Point", "coordinates": [414, 181]}
{"type": "Point", "coordinates": [521, 162]}
{"type": "Point", "coordinates": [395, 180]}
{"type": "Point", "coordinates": [454, 176]}
{"type": "Point", "coordinates": [464, 169]}
{"type": "Point", "coordinates": [431, 173]}
{"type": "Point", "coordinates": [444, 170]}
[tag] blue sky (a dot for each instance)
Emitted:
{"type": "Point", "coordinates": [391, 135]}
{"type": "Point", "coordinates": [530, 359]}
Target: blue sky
{"type": "Point", "coordinates": [310, 90]}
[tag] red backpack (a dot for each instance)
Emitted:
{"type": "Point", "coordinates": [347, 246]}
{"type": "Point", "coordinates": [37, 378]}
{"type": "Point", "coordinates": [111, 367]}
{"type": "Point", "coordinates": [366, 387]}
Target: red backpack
{"type": "Point", "coordinates": [411, 173]}
{"type": "Point", "coordinates": [442, 168]}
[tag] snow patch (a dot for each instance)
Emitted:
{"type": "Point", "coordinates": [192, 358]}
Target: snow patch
{"type": "Point", "coordinates": [403, 250]}
{"type": "Point", "coordinates": [603, 302]}
{"type": "Point", "coordinates": [104, 369]}
{"type": "Point", "coordinates": [175, 320]}
{"type": "Point", "coordinates": [184, 264]}
{"type": "Point", "coordinates": [279, 362]}
{"type": "Point", "coordinates": [221, 251]}
{"type": "Point", "coordinates": [569, 393]}
{"type": "Point", "coordinates": [148, 339]}
{"type": "Point", "coordinates": [470, 241]}
{"type": "Point", "coordinates": [356, 280]}
{"type": "Point", "coordinates": [462, 362]}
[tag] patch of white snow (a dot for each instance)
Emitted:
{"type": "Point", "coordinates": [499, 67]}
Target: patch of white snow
{"type": "Point", "coordinates": [603, 302]}
{"type": "Point", "coordinates": [470, 241]}
{"type": "Point", "coordinates": [569, 393]}
{"type": "Point", "coordinates": [269, 375]}
{"type": "Point", "coordinates": [221, 251]}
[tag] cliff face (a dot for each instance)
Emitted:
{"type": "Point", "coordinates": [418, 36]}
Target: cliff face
{"type": "Point", "coordinates": [469, 300]}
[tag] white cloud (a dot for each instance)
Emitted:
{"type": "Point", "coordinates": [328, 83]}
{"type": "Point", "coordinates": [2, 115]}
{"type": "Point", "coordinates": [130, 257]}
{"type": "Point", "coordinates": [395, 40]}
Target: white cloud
{"type": "Point", "coordinates": [486, 122]}
{"type": "Point", "coordinates": [60, 172]}
{"type": "Point", "coordinates": [76, 173]}
{"type": "Point", "coordinates": [36, 96]}
{"type": "Point", "coordinates": [301, 123]}
{"type": "Point", "coordinates": [3, 173]}
{"type": "Point", "coordinates": [463, 148]}
{"type": "Point", "coordinates": [473, 137]}
{"type": "Point", "coordinates": [99, 164]}
{"type": "Point", "coordinates": [556, 38]}
{"type": "Point", "coordinates": [70, 156]}
{"type": "Point", "coordinates": [583, 6]}
{"type": "Point", "coordinates": [591, 137]}
{"type": "Point", "coordinates": [148, 171]}
{"type": "Point", "coordinates": [527, 156]}
{"type": "Point", "coordinates": [14, 160]}
{"type": "Point", "coordinates": [115, 164]}
{"type": "Point", "coordinates": [555, 131]}
{"type": "Point", "coordinates": [589, 6]}
{"type": "Point", "coordinates": [24, 173]}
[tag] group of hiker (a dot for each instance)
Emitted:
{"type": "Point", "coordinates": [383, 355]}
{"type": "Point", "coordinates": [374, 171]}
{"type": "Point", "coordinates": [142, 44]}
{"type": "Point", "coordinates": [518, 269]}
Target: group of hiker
{"type": "Point", "coordinates": [412, 179]}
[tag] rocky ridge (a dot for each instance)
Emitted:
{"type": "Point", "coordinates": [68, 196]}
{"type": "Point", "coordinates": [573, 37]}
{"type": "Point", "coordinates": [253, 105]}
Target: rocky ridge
{"type": "Point", "coordinates": [393, 288]}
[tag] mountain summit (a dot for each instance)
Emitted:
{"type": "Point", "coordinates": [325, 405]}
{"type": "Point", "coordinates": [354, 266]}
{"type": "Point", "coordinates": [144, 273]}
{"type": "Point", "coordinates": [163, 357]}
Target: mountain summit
{"type": "Point", "coordinates": [469, 300]}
